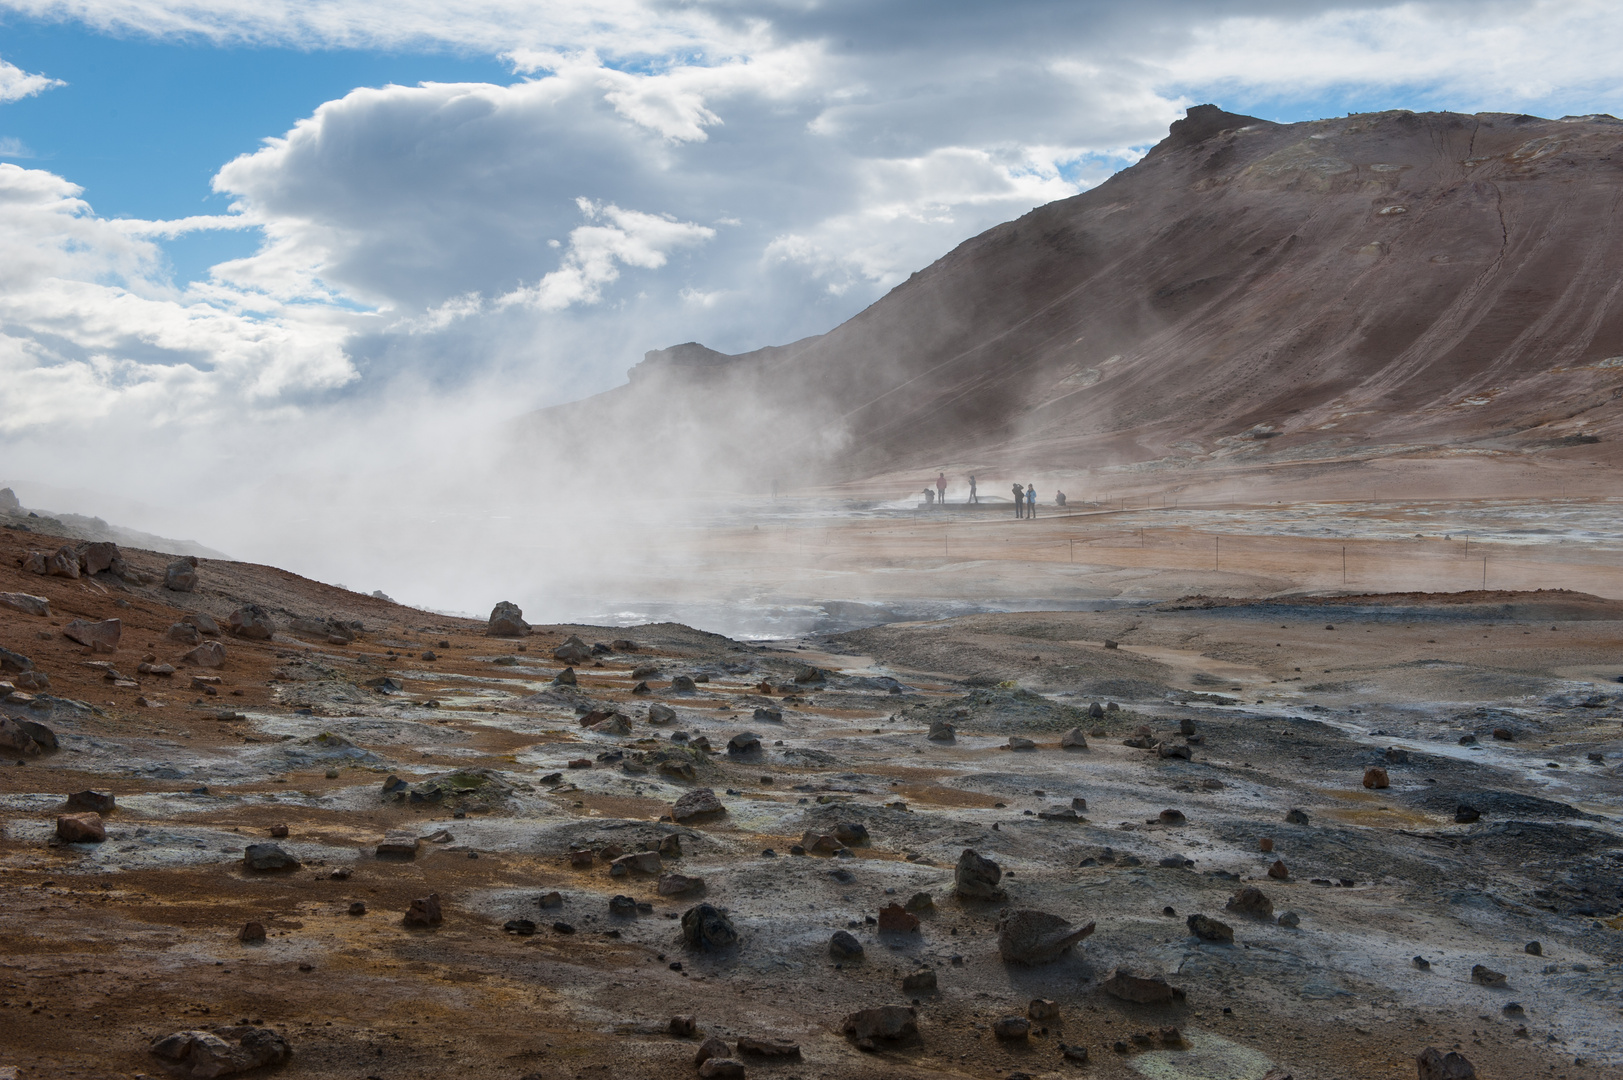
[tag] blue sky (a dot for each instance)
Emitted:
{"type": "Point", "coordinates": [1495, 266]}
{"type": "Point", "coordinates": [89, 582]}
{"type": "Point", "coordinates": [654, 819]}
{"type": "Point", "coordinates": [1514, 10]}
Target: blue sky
{"type": "Point", "coordinates": [290, 219]}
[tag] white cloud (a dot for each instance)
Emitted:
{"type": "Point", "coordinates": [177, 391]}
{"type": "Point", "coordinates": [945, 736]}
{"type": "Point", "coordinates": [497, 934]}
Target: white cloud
{"type": "Point", "coordinates": [627, 236]}
{"type": "Point", "coordinates": [16, 84]}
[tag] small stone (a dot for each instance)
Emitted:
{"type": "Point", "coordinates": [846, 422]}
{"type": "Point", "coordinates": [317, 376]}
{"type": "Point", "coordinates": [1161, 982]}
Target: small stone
{"type": "Point", "coordinates": [683, 684]}
{"type": "Point", "coordinates": [100, 637]}
{"type": "Point", "coordinates": [639, 862]}
{"type": "Point", "coordinates": [278, 830]}
{"type": "Point", "coordinates": [1172, 817]}
{"type": "Point", "coordinates": [210, 654]}
{"type": "Point", "coordinates": [1421, 963]}
{"type": "Point", "coordinates": [520, 927]}
{"type": "Point", "coordinates": [888, 1022]}
{"type": "Point", "coordinates": [661, 714]}
{"type": "Point", "coordinates": [895, 919]}
{"type": "Point", "coordinates": [252, 933]}
{"type": "Point", "coordinates": [1143, 989]}
{"type": "Point", "coordinates": [1533, 948]}
{"type": "Point", "coordinates": [1433, 1064]}
{"type": "Point", "coordinates": [707, 927]}
{"type": "Point", "coordinates": [1290, 920]}
{"type": "Point", "coordinates": [1375, 777]}
{"type": "Point", "coordinates": [1487, 976]}
{"type": "Point", "coordinates": [92, 800]}
{"type": "Point", "coordinates": [1077, 1055]}
{"type": "Point", "coordinates": [268, 857]}
{"type": "Point", "coordinates": [682, 1026]}
{"type": "Point", "coordinates": [1296, 817]}
{"type": "Point", "coordinates": [1465, 815]}
{"type": "Point", "coordinates": [977, 878]}
{"type": "Point", "coordinates": [1011, 1028]}
{"type": "Point", "coordinates": [1029, 936]}
{"type": "Point", "coordinates": [1042, 1009]}
{"type": "Point", "coordinates": [622, 905]}
{"type": "Point", "coordinates": [941, 731]}
{"type": "Point", "coordinates": [425, 911]}
{"type": "Point", "coordinates": [1278, 871]}
{"type": "Point", "coordinates": [563, 927]}
{"type": "Point", "coordinates": [1209, 929]}
{"type": "Point", "coordinates": [678, 884]}
{"type": "Point", "coordinates": [844, 946]}
{"type": "Point", "coordinates": [696, 804]}
{"type": "Point", "coordinates": [86, 828]}
{"type": "Point", "coordinates": [851, 833]}
{"type": "Point", "coordinates": [1018, 743]}
{"type": "Point", "coordinates": [357, 907]}
{"type": "Point", "coordinates": [1073, 740]}
{"type": "Point", "coordinates": [920, 901]}
{"type": "Point", "coordinates": [1504, 734]}
{"type": "Point", "coordinates": [774, 1048]}
{"type": "Point", "coordinates": [921, 981]}
{"type": "Point", "coordinates": [398, 845]}
{"type": "Point", "coordinates": [710, 1048]}
{"type": "Point", "coordinates": [1251, 901]}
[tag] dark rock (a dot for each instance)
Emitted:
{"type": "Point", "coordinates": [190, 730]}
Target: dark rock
{"type": "Point", "coordinates": [678, 884]}
{"type": "Point", "coordinates": [941, 731]}
{"type": "Point", "coordinates": [920, 901]}
{"type": "Point", "coordinates": [851, 833]}
{"type": "Point", "coordinates": [722, 1068]}
{"type": "Point", "coordinates": [425, 911]}
{"type": "Point", "coordinates": [566, 677]}
{"type": "Point", "coordinates": [1029, 936]}
{"type": "Point", "coordinates": [252, 933]}
{"type": "Point", "coordinates": [506, 620]}
{"type": "Point", "coordinates": [521, 927]}
{"type": "Point", "coordinates": [84, 828]}
{"type": "Point", "coordinates": [622, 905]}
{"type": "Point", "coordinates": [922, 981]}
{"type": "Point", "coordinates": [1073, 740]}
{"type": "Point", "coordinates": [1143, 989]}
{"type": "Point", "coordinates": [223, 1051]}
{"type": "Point", "coordinates": [1251, 901]}
{"type": "Point", "coordinates": [1533, 948]}
{"type": "Point", "coordinates": [1421, 963]}
{"type": "Point", "coordinates": [1433, 1064]}
{"type": "Point", "coordinates": [551, 900]}
{"type": "Point", "coordinates": [1018, 743]}
{"type": "Point", "coordinates": [14, 661]}
{"type": "Point", "coordinates": [1011, 1028]}
{"type": "Point", "coordinates": [768, 716]}
{"type": "Point", "coordinates": [100, 637]}
{"type": "Point", "coordinates": [1486, 976]}
{"type": "Point", "coordinates": [696, 804]}
{"type": "Point", "coordinates": [1076, 1055]}
{"type": "Point", "coordinates": [661, 714]}
{"type": "Point", "coordinates": [1465, 815]}
{"type": "Point", "coordinates": [1208, 929]}
{"type": "Point", "coordinates": [712, 1047]}
{"type": "Point", "coordinates": [683, 684]}
{"type": "Point", "coordinates": [977, 878]}
{"type": "Point", "coordinates": [181, 575]}
{"type": "Point", "coordinates": [1296, 817]}
{"type": "Point", "coordinates": [268, 857]}
{"type": "Point", "coordinates": [1172, 817]}
{"type": "Point", "coordinates": [889, 1022]}
{"type": "Point", "coordinates": [252, 622]}
{"type": "Point", "coordinates": [210, 654]}
{"type": "Point", "coordinates": [844, 946]}
{"type": "Point", "coordinates": [91, 800]}
{"type": "Point", "coordinates": [357, 907]}
{"type": "Point", "coordinates": [774, 1048]}
{"type": "Point", "coordinates": [1173, 750]}
{"type": "Point", "coordinates": [1375, 777]}
{"type": "Point", "coordinates": [707, 927]}
{"type": "Point", "coordinates": [894, 918]}
{"type": "Point", "coordinates": [1278, 871]}
{"type": "Point", "coordinates": [682, 1027]}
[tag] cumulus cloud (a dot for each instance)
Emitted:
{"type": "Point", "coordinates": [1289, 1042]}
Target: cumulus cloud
{"type": "Point", "coordinates": [16, 84]}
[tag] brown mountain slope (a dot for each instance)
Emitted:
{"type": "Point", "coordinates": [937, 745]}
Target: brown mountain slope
{"type": "Point", "coordinates": [1249, 292]}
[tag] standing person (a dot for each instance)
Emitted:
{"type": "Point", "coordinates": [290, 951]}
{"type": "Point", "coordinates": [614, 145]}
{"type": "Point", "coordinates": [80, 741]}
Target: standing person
{"type": "Point", "coordinates": [1031, 501]}
{"type": "Point", "coordinates": [972, 496]}
{"type": "Point", "coordinates": [1059, 498]}
{"type": "Point", "coordinates": [1019, 501]}
{"type": "Point", "coordinates": [941, 489]}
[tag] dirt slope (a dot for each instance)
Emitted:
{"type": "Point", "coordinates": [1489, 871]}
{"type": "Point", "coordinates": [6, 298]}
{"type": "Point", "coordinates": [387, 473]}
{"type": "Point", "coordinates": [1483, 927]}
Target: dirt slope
{"type": "Point", "coordinates": [1382, 283]}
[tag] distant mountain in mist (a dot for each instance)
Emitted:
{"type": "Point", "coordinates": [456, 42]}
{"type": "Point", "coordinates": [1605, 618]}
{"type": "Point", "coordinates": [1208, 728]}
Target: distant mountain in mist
{"type": "Point", "coordinates": [1302, 294]}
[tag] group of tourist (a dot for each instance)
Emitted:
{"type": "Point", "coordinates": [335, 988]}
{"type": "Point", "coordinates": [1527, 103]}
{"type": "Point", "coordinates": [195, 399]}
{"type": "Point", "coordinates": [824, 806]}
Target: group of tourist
{"type": "Point", "coordinates": [1025, 498]}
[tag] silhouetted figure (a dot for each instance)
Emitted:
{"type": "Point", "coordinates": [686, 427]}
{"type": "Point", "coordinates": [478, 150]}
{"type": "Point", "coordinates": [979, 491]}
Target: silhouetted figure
{"type": "Point", "coordinates": [1019, 501]}
{"type": "Point", "coordinates": [929, 497]}
{"type": "Point", "coordinates": [941, 488]}
{"type": "Point", "coordinates": [774, 489]}
{"type": "Point", "coordinates": [1031, 500]}
{"type": "Point", "coordinates": [1059, 498]}
{"type": "Point", "coordinates": [972, 496]}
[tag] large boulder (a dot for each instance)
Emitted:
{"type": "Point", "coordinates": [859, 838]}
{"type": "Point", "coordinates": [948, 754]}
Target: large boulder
{"type": "Point", "coordinates": [1073, 740]}
{"type": "Point", "coordinates": [1142, 989]}
{"type": "Point", "coordinates": [977, 878]}
{"type": "Point", "coordinates": [181, 575]}
{"type": "Point", "coordinates": [266, 857]}
{"type": "Point", "coordinates": [98, 557]}
{"type": "Point", "coordinates": [1251, 901]}
{"type": "Point", "coordinates": [25, 737]}
{"type": "Point", "coordinates": [83, 828]}
{"type": "Point", "coordinates": [1029, 936]}
{"type": "Point", "coordinates": [26, 603]}
{"type": "Point", "coordinates": [64, 562]}
{"type": "Point", "coordinates": [891, 1023]}
{"type": "Point", "coordinates": [210, 654]}
{"type": "Point", "coordinates": [507, 620]}
{"type": "Point", "coordinates": [572, 651]}
{"type": "Point", "coordinates": [252, 622]}
{"type": "Point", "coordinates": [1433, 1064]}
{"type": "Point", "coordinates": [697, 804]}
{"type": "Point", "coordinates": [101, 637]}
{"type": "Point", "coordinates": [183, 634]}
{"type": "Point", "coordinates": [707, 927]}
{"type": "Point", "coordinates": [425, 911]}
{"type": "Point", "coordinates": [15, 661]}
{"type": "Point", "coordinates": [223, 1051]}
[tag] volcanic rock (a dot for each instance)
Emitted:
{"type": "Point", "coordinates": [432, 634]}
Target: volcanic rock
{"type": "Point", "coordinates": [1279, 871]}
{"type": "Point", "coordinates": [977, 878]}
{"type": "Point", "coordinates": [210, 654]}
{"type": "Point", "coordinates": [1433, 1064]}
{"type": "Point", "coordinates": [14, 661]}
{"type": "Point", "coordinates": [683, 684]}
{"type": "Point", "coordinates": [224, 1051]}
{"type": "Point", "coordinates": [941, 731]}
{"type": "Point", "coordinates": [1209, 929]}
{"type": "Point", "coordinates": [678, 884]}
{"type": "Point", "coordinates": [1465, 815]}
{"type": "Point", "coordinates": [843, 946]}
{"type": "Point", "coordinates": [398, 845]}
{"type": "Point", "coordinates": [775, 1048]}
{"type": "Point", "coordinates": [1251, 901]}
{"type": "Point", "coordinates": [84, 828]}
{"type": "Point", "coordinates": [101, 637]}
{"type": "Point", "coordinates": [181, 575]}
{"type": "Point", "coordinates": [92, 800]}
{"type": "Point", "coordinates": [63, 563]}
{"type": "Point", "coordinates": [894, 918]}
{"type": "Point", "coordinates": [1029, 936]}
{"type": "Point", "coordinates": [1296, 817]}
{"type": "Point", "coordinates": [922, 981]}
{"type": "Point", "coordinates": [722, 1068]}
{"type": "Point", "coordinates": [661, 714]}
{"type": "Point", "coordinates": [638, 862]}
{"type": "Point", "coordinates": [268, 857]}
{"type": "Point", "coordinates": [1486, 976]}
{"type": "Point", "coordinates": [1073, 740]}
{"type": "Point", "coordinates": [252, 622]}
{"type": "Point", "coordinates": [1041, 1009]}
{"type": "Point", "coordinates": [1018, 743]}
{"type": "Point", "coordinates": [707, 927]}
{"type": "Point", "coordinates": [425, 911]}
{"type": "Point", "coordinates": [1144, 989]}
{"type": "Point", "coordinates": [744, 744]}
{"type": "Point", "coordinates": [183, 634]}
{"type": "Point", "coordinates": [851, 833]}
{"type": "Point", "coordinates": [712, 1047]}
{"type": "Point", "coordinates": [506, 620]}
{"type": "Point", "coordinates": [696, 804]}
{"type": "Point", "coordinates": [889, 1022]}
{"type": "Point", "coordinates": [252, 933]}
{"type": "Point", "coordinates": [1011, 1028]}
{"type": "Point", "coordinates": [1375, 777]}
{"type": "Point", "coordinates": [26, 603]}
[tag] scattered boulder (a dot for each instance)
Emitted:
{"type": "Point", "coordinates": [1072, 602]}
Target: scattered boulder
{"type": "Point", "coordinates": [920, 901]}
{"type": "Point", "coordinates": [1172, 817]}
{"type": "Point", "coordinates": [1290, 920]}
{"type": "Point", "coordinates": [1073, 740]}
{"type": "Point", "coordinates": [205, 623]}
{"type": "Point", "coordinates": [181, 575]}
{"type": "Point", "coordinates": [661, 714]}
{"type": "Point", "coordinates": [92, 800]}
{"type": "Point", "coordinates": [1251, 901]}
{"type": "Point", "coordinates": [1486, 976]}
{"type": "Point", "coordinates": [977, 878]}
{"type": "Point", "coordinates": [1042, 1009]}
{"type": "Point", "coordinates": [1209, 929]}
{"type": "Point", "coordinates": [712, 1047]}
{"type": "Point", "coordinates": [844, 946]}
{"type": "Point", "coordinates": [398, 845]}
{"type": "Point", "coordinates": [775, 1048]}
{"type": "Point", "coordinates": [1076, 1055]}
{"type": "Point", "coordinates": [1296, 817]}
{"type": "Point", "coordinates": [268, 857]}
{"type": "Point", "coordinates": [1018, 743]}
{"type": "Point", "coordinates": [678, 884]}
{"type": "Point", "coordinates": [1143, 989]}
{"type": "Point", "coordinates": [1278, 871]}
{"type": "Point", "coordinates": [14, 661]}
{"type": "Point", "coordinates": [891, 1023]}
{"type": "Point", "coordinates": [1012, 1028]}
{"type": "Point", "coordinates": [63, 563]}
{"type": "Point", "coordinates": [1029, 936]}
{"type": "Point", "coordinates": [1375, 777]}
{"type": "Point", "coordinates": [101, 637]}
{"type": "Point", "coordinates": [817, 843]}
{"type": "Point", "coordinates": [1465, 815]}
{"type": "Point", "coordinates": [566, 677]}
{"type": "Point", "coordinates": [84, 828]}
{"type": "Point", "coordinates": [743, 744]}
{"type": "Point", "coordinates": [615, 724]}
{"type": "Point", "coordinates": [210, 654]}
{"type": "Point", "coordinates": [645, 670]}
{"type": "Point", "coordinates": [506, 620]}
{"type": "Point", "coordinates": [26, 603]}
{"type": "Point", "coordinates": [1059, 813]}
{"type": "Point", "coordinates": [572, 651]}
{"type": "Point", "coordinates": [851, 833]}
{"type": "Point", "coordinates": [1173, 750]}
{"type": "Point", "coordinates": [722, 1068]}
{"type": "Point", "coordinates": [707, 927]}
{"type": "Point", "coordinates": [25, 737]}
{"type": "Point", "coordinates": [768, 716]}
{"type": "Point", "coordinates": [638, 862]}
{"type": "Point", "coordinates": [941, 731]}
{"type": "Point", "coordinates": [223, 1051]}
{"type": "Point", "coordinates": [922, 981]}
{"type": "Point", "coordinates": [683, 684]}
{"type": "Point", "coordinates": [895, 919]}
{"type": "Point", "coordinates": [1433, 1064]}
{"type": "Point", "coordinates": [696, 804]}
{"type": "Point", "coordinates": [425, 911]}
{"type": "Point", "coordinates": [252, 622]}
{"type": "Point", "coordinates": [183, 634]}
{"type": "Point", "coordinates": [683, 1027]}
{"type": "Point", "coordinates": [623, 906]}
